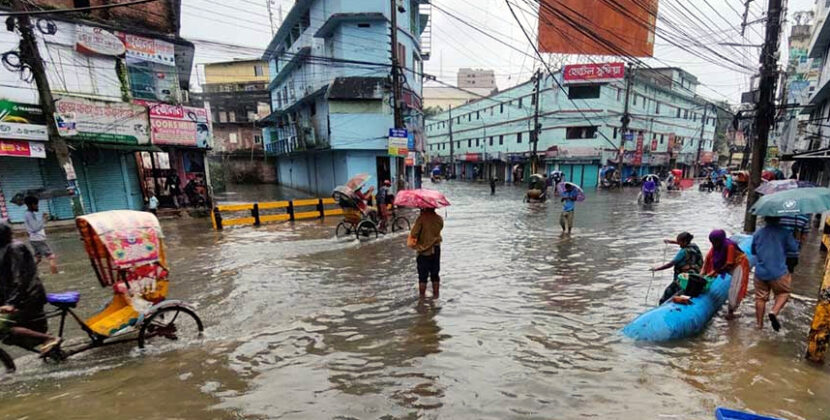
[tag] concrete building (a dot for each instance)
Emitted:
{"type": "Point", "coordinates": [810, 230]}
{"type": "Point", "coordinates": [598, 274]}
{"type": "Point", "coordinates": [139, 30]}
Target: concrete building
{"type": "Point", "coordinates": [331, 93]}
{"type": "Point", "coordinates": [442, 98]}
{"type": "Point", "coordinates": [580, 128]}
{"type": "Point", "coordinates": [476, 78]}
{"type": "Point", "coordinates": [811, 153]}
{"type": "Point", "coordinates": [118, 76]}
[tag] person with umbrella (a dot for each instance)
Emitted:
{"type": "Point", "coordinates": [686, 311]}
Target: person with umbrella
{"type": "Point", "coordinates": [570, 195]}
{"type": "Point", "coordinates": [773, 242]}
{"type": "Point", "coordinates": [425, 236]}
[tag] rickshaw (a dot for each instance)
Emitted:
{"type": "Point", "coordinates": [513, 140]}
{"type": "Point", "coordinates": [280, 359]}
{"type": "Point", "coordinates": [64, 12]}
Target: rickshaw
{"type": "Point", "coordinates": [652, 196]}
{"type": "Point", "coordinates": [362, 223]}
{"type": "Point", "coordinates": [537, 190]}
{"type": "Point", "coordinates": [127, 254]}
{"type": "Point", "coordinates": [736, 184]}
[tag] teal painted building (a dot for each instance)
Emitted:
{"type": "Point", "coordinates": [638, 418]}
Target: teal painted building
{"type": "Point", "coordinates": [581, 129]}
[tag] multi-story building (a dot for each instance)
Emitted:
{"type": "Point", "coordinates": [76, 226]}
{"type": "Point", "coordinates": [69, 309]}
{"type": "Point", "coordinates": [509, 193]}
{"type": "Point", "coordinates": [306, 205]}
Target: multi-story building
{"type": "Point", "coordinates": [441, 98]}
{"type": "Point", "coordinates": [811, 153]}
{"type": "Point", "coordinates": [236, 92]}
{"type": "Point", "coordinates": [581, 130]}
{"type": "Point", "coordinates": [118, 76]}
{"type": "Point", "coordinates": [331, 95]}
{"type": "Point", "coordinates": [476, 78]}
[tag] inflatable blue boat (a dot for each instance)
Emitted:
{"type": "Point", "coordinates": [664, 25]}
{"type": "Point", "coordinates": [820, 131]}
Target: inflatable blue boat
{"type": "Point", "coordinates": [673, 321]}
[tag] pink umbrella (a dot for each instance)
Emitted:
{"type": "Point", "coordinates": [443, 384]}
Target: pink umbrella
{"type": "Point", "coordinates": [422, 199]}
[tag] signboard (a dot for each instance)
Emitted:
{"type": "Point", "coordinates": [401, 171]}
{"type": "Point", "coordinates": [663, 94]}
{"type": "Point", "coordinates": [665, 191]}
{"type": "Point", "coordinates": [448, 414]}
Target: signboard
{"type": "Point", "coordinates": [593, 73]}
{"type": "Point", "coordinates": [19, 148]}
{"type": "Point", "coordinates": [106, 122]}
{"type": "Point", "coordinates": [472, 157]}
{"type": "Point", "coordinates": [671, 143]}
{"type": "Point", "coordinates": [22, 121]}
{"type": "Point", "coordinates": [410, 159]}
{"type": "Point", "coordinates": [638, 154]}
{"type": "Point", "coordinates": [598, 27]}
{"type": "Point", "coordinates": [91, 40]}
{"type": "Point", "coordinates": [178, 125]}
{"type": "Point", "coordinates": [398, 142]}
{"type": "Point", "coordinates": [653, 144]}
{"type": "Point", "coordinates": [148, 49]}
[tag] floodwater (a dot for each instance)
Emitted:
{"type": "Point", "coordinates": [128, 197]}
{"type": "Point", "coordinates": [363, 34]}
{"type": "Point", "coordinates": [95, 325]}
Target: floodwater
{"type": "Point", "coordinates": [300, 325]}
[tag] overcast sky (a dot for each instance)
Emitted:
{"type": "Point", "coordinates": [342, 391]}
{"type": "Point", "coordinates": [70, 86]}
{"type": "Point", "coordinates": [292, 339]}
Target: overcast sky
{"type": "Point", "coordinates": [455, 45]}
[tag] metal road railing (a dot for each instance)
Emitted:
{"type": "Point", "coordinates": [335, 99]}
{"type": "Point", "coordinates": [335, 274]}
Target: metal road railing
{"type": "Point", "coordinates": [254, 214]}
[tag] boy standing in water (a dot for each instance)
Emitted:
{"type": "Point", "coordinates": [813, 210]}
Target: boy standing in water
{"type": "Point", "coordinates": [35, 226]}
{"type": "Point", "coordinates": [425, 238]}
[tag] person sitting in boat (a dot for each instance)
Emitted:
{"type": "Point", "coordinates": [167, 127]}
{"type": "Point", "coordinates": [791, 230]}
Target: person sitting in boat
{"type": "Point", "coordinates": [725, 257]}
{"type": "Point", "coordinates": [687, 260]}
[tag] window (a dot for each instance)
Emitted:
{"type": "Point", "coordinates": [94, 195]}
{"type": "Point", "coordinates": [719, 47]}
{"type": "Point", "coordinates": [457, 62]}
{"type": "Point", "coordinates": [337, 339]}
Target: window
{"type": "Point", "coordinates": [518, 137]}
{"type": "Point", "coordinates": [492, 109]}
{"type": "Point", "coordinates": [615, 132]}
{"type": "Point", "coordinates": [478, 115]}
{"type": "Point", "coordinates": [657, 108]}
{"type": "Point", "coordinates": [491, 140]}
{"type": "Point", "coordinates": [477, 143]}
{"type": "Point", "coordinates": [313, 109]}
{"type": "Point", "coordinates": [458, 144]}
{"type": "Point", "coordinates": [257, 139]}
{"type": "Point", "coordinates": [619, 95]}
{"type": "Point", "coordinates": [252, 116]}
{"type": "Point", "coordinates": [258, 70]}
{"type": "Point", "coordinates": [401, 55]}
{"type": "Point", "coordinates": [694, 116]}
{"type": "Point", "coordinates": [470, 116]}
{"type": "Point", "coordinates": [223, 117]}
{"type": "Point", "coordinates": [364, 25]}
{"type": "Point", "coordinates": [685, 114]}
{"type": "Point", "coordinates": [232, 116]}
{"type": "Point", "coordinates": [501, 140]}
{"type": "Point", "coordinates": [662, 137]}
{"type": "Point", "coordinates": [469, 143]}
{"type": "Point", "coordinates": [588, 132]}
{"type": "Point", "coordinates": [635, 99]}
{"type": "Point", "coordinates": [501, 108]}
{"type": "Point", "coordinates": [678, 112]}
{"type": "Point", "coordinates": [584, 92]}
{"type": "Point", "coordinates": [533, 99]}
{"type": "Point", "coordinates": [458, 120]}
{"type": "Point", "coordinates": [232, 138]}
{"type": "Point", "coordinates": [520, 102]}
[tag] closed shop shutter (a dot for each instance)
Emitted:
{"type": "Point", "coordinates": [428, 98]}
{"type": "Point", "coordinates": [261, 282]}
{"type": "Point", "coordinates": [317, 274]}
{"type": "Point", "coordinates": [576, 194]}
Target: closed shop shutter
{"type": "Point", "coordinates": [17, 175]}
{"type": "Point", "coordinates": [106, 181]}
{"type": "Point", "coordinates": [54, 178]}
{"type": "Point", "coordinates": [590, 176]}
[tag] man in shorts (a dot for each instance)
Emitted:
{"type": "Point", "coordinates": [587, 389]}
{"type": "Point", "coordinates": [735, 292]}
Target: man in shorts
{"type": "Point", "coordinates": [35, 225]}
{"type": "Point", "coordinates": [771, 245]}
{"type": "Point", "coordinates": [22, 296]}
{"type": "Point", "coordinates": [566, 218]}
{"type": "Point", "coordinates": [425, 238]}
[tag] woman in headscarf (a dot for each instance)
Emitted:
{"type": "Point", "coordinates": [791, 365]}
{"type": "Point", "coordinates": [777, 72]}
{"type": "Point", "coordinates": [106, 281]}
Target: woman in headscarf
{"type": "Point", "coordinates": [725, 257]}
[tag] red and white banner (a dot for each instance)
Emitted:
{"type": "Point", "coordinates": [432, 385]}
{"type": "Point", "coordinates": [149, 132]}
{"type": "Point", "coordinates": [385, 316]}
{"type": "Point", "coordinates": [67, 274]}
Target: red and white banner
{"type": "Point", "coordinates": [593, 73]}
{"type": "Point", "coordinates": [19, 148]}
{"type": "Point", "coordinates": [638, 155]}
{"type": "Point", "coordinates": [178, 125]}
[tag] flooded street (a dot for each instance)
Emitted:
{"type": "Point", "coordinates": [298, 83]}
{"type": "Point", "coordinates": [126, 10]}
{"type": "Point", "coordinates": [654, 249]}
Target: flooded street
{"type": "Point", "coordinates": [300, 325]}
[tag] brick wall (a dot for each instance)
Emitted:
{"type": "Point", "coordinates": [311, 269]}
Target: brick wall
{"type": "Point", "coordinates": [244, 137]}
{"type": "Point", "coordinates": [157, 16]}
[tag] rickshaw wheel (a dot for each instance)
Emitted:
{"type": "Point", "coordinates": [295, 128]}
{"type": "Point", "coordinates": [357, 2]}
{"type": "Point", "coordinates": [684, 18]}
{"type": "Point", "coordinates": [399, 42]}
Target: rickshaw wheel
{"type": "Point", "coordinates": [173, 323]}
{"type": "Point", "coordinates": [400, 223]}
{"type": "Point", "coordinates": [366, 230]}
{"type": "Point", "coordinates": [343, 229]}
{"type": "Point", "coordinates": [8, 362]}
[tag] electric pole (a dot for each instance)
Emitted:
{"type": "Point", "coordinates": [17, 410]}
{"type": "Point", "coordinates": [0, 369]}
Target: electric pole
{"type": "Point", "coordinates": [766, 109]}
{"type": "Point", "coordinates": [270, 16]}
{"type": "Point", "coordinates": [625, 120]}
{"type": "Point", "coordinates": [452, 146]}
{"type": "Point", "coordinates": [396, 69]}
{"type": "Point", "coordinates": [700, 142]}
{"type": "Point", "coordinates": [30, 56]}
{"type": "Point", "coordinates": [537, 128]}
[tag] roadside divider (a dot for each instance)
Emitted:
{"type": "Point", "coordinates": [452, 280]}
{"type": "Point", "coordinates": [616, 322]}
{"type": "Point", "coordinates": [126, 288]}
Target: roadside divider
{"type": "Point", "coordinates": [255, 214]}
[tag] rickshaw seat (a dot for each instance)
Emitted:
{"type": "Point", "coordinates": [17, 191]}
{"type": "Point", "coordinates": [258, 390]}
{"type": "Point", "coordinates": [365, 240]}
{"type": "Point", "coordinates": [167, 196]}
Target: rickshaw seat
{"type": "Point", "coordinates": [64, 300]}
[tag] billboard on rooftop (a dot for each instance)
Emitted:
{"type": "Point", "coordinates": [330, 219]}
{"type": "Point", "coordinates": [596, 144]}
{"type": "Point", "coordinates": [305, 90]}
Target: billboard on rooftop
{"type": "Point", "coordinates": [598, 27]}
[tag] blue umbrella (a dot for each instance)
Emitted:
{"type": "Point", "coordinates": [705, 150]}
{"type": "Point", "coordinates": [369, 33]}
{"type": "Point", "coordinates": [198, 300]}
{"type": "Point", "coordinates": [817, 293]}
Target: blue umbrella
{"type": "Point", "coordinates": [792, 202]}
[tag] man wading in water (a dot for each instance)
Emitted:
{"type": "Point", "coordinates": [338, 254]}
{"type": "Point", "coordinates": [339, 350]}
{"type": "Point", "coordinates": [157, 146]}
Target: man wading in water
{"type": "Point", "coordinates": [425, 238]}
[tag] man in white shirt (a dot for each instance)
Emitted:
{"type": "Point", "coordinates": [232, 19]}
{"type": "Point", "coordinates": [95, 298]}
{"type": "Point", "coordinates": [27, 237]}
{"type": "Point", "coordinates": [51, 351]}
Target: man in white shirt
{"type": "Point", "coordinates": [35, 225]}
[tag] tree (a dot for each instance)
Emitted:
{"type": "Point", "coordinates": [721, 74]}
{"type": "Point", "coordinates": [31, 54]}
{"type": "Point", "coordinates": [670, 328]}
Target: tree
{"type": "Point", "coordinates": [432, 111]}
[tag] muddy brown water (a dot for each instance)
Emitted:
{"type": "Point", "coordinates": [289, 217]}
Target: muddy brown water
{"type": "Point", "coordinates": [300, 325]}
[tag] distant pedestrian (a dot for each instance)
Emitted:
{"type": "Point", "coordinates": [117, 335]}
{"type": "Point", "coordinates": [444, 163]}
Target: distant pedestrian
{"type": "Point", "coordinates": [771, 245]}
{"type": "Point", "coordinates": [153, 204]}
{"type": "Point", "coordinates": [799, 225]}
{"type": "Point", "coordinates": [401, 185]}
{"type": "Point", "coordinates": [383, 203]}
{"type": "Point", "coordinates": [35, 223]}
{"type": "Point", "coordinates": [175, 187]}
{"type": "Point", "coordinates": [566, 218]}
{"type": "Point", "coordinates": [493, 185]}
{"type": "Point", "coordinates": [425, 239]}
{"type": "Point", "coordinates": [687, 260]}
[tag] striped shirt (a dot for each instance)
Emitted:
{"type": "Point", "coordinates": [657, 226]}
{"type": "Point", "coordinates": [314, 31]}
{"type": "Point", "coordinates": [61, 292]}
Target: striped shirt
{"type": "Point", "coordinates": [799, 223]}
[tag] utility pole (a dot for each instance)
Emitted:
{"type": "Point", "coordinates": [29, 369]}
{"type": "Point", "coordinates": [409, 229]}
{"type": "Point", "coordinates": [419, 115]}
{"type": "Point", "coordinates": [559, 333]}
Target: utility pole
{"type": "Point", "coordinates": [766, 107]}
{"type": "Point", "coordinates": [625, 120]}
{"type": "Point", "coordinates": [396, 79]}
{"type": "Point", "coordinates": [452, 146]}
{"type": "Point", "coordinates": [746, 13]}
{"type": "Point", "coordinates": [700, 142]}
{"type": "Point", "coordinates": [537, 128]}
{"type": "Point", "coordinates": [270, 16]}
{"type": "Point", "coordinates": [30, 56]}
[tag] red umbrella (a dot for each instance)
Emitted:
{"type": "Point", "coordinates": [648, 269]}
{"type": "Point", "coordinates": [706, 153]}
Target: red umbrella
{"type": "Point", "coordinates": [357, 181]}
{"type": "Point", "coordinates": [422, 199]}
